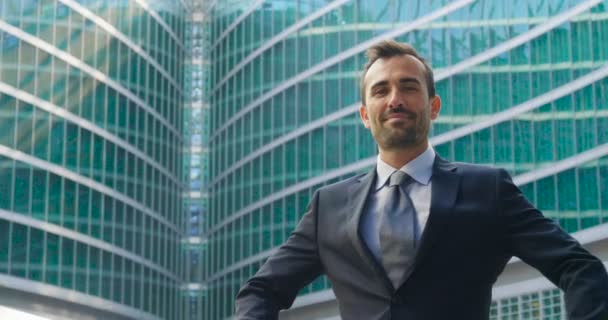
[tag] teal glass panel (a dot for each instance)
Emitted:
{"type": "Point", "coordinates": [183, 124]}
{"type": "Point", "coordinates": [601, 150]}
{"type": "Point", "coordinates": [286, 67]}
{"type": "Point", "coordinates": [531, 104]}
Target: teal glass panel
{"type": "Point", "coordinates": [128, 279]}
{"type": "Point", "coordinates": [39, 193]}
{"type": "Point", "coordinates": [82, 211]}
{"type": "Point", "coordinates": [41, 134]}
{"type": "Point", "coordinates": [106, 275]}
{"type": "Point", "coordinates": [71, 146]}
{"type": "Point", "coordinates": [23, 139]}
{"type": "Point", "coordinates": [5, 244]}
{"type": "Point", "coordinates": [118, 275]}
{"type": "Point", "coordinates": [19, 250]}
{"type": "Point", "coordinates": [94, 271]}
{"type": "Point", "coordinates": [84, 152]}
{"type": "Point", "coordinates": [603, 189]}
{"type": "Point", "coordinates": [69, 205]}
{"type": "Point", "coordinates": [57, 140]}
{"type": "Point", "coordinates": [51, 274]}
{"type": "Point", "coordinates": [68, 264]}
{"type": "Point", "coordinates": [7, 120]}
{"type": "Point", "coordinates": [80, 274]}
{"type": "Point", "coordinates": [22, 188]}
{"type": "Point", "coordinates": [54, 198]}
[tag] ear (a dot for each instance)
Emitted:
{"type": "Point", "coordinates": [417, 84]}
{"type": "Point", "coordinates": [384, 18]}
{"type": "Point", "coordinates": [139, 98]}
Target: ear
{"type": "Point", "coordinates": [364, 116]}
{"type": "Point", "coordinates": [435, 107]}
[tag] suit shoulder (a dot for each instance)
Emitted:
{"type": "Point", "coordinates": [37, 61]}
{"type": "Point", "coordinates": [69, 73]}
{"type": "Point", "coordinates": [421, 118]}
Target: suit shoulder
{"type": "Point", "coordinates": [471, 168]}
{"type": "Point", "coordinates": [340, 185]}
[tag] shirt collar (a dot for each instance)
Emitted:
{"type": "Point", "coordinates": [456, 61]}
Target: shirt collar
{"type": "Point", "coordinates": [420, 168]}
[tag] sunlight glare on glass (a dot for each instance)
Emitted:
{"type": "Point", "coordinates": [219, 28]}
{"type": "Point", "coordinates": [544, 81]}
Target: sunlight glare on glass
{"type": "Point", "coordinates": [13, 314]}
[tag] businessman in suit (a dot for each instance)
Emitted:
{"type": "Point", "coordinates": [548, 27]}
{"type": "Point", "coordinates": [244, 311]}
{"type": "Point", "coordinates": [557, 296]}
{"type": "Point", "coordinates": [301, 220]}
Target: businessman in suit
{"type": "Point", "coordinates": [418, 237]}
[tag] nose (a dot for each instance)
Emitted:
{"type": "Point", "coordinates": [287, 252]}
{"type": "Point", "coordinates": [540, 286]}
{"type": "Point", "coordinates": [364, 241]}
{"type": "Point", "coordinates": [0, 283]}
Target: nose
{"type": "Point", "coordinates": [396, 99]}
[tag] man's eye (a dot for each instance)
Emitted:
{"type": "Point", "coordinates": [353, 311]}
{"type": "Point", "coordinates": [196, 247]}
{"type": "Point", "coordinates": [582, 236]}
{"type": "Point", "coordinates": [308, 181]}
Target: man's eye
{"type": "Point", "coordinates": [379, 92]}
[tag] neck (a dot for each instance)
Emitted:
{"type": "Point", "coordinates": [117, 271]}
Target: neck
{"type": "Point", "coordinates": [397, 158]}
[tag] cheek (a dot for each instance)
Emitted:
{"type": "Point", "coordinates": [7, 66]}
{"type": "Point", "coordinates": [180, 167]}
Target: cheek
{"type": "Point", "coordinates": [417, 100]}
{"type": "Point", "coordinates": [375, 109]}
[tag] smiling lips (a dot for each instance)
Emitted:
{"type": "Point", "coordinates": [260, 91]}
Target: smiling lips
{"type": "Point", "coordinates": [399, 116]}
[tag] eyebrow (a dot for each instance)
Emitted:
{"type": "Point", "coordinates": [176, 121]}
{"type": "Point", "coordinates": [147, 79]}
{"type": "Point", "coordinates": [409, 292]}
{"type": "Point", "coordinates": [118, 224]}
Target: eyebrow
{"type": "Point", "coordinates": [408, 80]}
{"type": "Point", "coordinates": [401, 81]}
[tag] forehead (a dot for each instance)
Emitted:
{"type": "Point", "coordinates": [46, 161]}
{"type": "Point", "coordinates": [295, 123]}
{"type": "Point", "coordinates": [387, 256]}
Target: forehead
{"type": "Point", "coordinates": [395, 68]}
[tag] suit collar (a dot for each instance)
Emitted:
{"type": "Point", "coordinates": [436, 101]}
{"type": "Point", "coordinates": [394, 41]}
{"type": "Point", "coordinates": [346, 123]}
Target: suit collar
{"type": "Point", "coordinates": [420, 169]}
{"type": "Point", "coordinates": [442, 165]}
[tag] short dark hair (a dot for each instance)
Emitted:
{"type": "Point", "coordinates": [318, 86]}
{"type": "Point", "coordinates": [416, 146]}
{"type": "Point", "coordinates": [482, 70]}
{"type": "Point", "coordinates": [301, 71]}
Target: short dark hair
{"type": "Point", "coordinates": [388, 49]}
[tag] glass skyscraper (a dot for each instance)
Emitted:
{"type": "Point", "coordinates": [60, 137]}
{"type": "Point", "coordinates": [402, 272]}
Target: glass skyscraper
{"type": "Point", "coordinates": [91, 158]}
{"type": "Point", "coordinates": [523, 85]}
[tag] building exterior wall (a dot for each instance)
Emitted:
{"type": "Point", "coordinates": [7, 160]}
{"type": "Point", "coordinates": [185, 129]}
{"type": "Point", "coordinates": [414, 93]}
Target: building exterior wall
{"type": "Point", "coordinates": [522, 83]}
{"type": "Point", "coordinates": [91, 143]}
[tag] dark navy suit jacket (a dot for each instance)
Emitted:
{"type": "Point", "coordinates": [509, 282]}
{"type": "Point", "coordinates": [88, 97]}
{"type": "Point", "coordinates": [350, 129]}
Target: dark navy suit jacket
{"type": "Point", "coordinates": [478, 220]}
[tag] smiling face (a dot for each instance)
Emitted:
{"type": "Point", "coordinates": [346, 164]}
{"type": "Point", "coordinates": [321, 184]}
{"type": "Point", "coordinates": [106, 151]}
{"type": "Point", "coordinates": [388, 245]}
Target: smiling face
{"type": "Point", "coordinates": [398, 109]}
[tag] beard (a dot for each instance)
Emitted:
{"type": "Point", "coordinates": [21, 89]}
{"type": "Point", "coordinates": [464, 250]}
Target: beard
{"type": "Point", "coordinates": [399, 135]}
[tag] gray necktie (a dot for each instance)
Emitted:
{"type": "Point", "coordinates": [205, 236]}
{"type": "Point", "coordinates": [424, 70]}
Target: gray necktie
{"type": "Point", "coordinates": [398, 229]}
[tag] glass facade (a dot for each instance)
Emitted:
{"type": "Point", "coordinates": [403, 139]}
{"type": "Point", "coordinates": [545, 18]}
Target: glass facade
{"type": "Point", "coordinates": [541, 305]}
{"type": "Point", "coordinates": [196, 152]}
{"type": "Point", "coordinates": [523, 85]}
{"type": "Point", "coordinates": [91, 100]}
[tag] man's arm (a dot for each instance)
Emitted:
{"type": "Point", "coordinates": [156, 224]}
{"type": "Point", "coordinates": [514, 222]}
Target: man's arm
{"type": "Point", "coordinates": [295, 264]}
{"type": "Point", "coordinates": [540, 242]}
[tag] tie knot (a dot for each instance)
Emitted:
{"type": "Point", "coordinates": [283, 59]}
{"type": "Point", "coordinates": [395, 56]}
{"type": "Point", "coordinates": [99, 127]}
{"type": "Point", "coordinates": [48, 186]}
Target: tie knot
{"type": "Point", "coordinates": [399, 178]}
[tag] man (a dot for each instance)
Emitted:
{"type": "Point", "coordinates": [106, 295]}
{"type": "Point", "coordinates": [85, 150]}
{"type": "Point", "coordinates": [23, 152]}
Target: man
{"type": "Point", "coordinates": [418, 237]}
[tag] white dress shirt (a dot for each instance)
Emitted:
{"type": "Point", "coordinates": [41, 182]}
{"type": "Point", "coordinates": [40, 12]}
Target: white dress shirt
{"type": "Point", "coordinates": [421, 170]}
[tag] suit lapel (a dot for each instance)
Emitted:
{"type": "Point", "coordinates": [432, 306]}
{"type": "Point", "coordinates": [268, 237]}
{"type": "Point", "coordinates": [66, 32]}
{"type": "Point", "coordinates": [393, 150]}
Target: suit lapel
{"type": "Point", "coordinates": [358, 194]}
{"type": "Point", "coordinates": [444, 190]}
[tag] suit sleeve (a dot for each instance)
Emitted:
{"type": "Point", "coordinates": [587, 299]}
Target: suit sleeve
{"type": "Point", "coordinates": [541, 243]}
{"type": "Point", "coordinates": [295, 264]}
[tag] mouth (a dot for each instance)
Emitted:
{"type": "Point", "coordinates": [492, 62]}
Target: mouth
{"type": "Point", "coordinates": [399, 117]}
